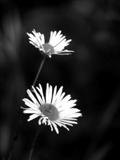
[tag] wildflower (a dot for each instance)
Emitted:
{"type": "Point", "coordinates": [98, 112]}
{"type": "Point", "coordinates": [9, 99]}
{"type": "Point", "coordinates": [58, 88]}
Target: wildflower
{"type": "Point", "coordinates": [55, 46]}
{"type": "Point", "coordinates": [54, 109]}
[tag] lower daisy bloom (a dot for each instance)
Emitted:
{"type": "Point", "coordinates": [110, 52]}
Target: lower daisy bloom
{"type": "Point", "coordinates": [54, 109]}
{"type": "Point", "coordinates": [55, 46]}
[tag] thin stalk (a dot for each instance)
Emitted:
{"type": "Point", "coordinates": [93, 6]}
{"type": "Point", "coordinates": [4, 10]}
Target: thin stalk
{"type": "Point", "coordinates": [37, 133]}
{"type": "Point", "coordinates": [39, 70]}
{"type": "Point", "coordinates": [33, 145]}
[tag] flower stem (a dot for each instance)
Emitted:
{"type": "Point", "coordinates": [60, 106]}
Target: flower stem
{"type": "Point", "coordinates": [12, 148]}
{"type": "Point", "coordinates": [39, 70]}
{"type": "Point", "coordinates": [33, 144]}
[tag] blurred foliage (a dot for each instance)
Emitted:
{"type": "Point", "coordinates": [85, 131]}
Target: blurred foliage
{"type": "Point", "coordinates": [91, 74]}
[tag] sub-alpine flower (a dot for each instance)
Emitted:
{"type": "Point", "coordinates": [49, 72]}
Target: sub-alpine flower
{"type": "Point", "coordinates": [53, 109]}
{"type": "Point", "coordinates": [55, 46]}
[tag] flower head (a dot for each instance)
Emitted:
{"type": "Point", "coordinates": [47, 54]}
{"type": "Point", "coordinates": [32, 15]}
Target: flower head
{"type": "Point", "coordinates": [55, 46]}
{"type": "Point", "coordinates": [54, 109]}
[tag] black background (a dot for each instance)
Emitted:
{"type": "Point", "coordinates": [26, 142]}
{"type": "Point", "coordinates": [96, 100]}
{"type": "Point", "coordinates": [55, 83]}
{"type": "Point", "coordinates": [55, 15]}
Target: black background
{"type": "Point", "coordinates": [91, 75]}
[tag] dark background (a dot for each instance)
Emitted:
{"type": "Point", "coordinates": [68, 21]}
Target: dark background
{"type": "Point", "coordinates": [91, 74]}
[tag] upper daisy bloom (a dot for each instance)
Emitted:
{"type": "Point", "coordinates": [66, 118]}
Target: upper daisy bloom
{"type": "Point", "coordinates": [53, 109]}
{"type": "Point", "coordinates": [55, 46]}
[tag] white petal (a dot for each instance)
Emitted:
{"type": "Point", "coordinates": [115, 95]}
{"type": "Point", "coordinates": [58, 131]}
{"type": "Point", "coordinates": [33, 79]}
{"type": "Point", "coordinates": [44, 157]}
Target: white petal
{"type": "Point", "coordinates": [34, 44]}
{"type": "Point", "coordinates": [65, 100]}
{"type": "Point", "coordinates": [32, 97]}
{"type": "Point", "coordinates": [51, 127]}
{"type": "Point", "coordinates": [74, 115]}
{"type": "Point", "coordinates": [62, 44]}
{"type": "Point", "coordinates": [58, 96]}
{"type": "Point", "coordinates": [40, 120]}
{"type": "Point", "coordinates": [54, 94]}
{"type": "Point", "coordinates": [68, 103]}
{"type": "Point", "coordinates": [67, 112]}
{"type": "Point", "coordinates": [65, 123]}
{"type": "Point", "coordinates": [41, 92]}
{"type": "Point", "coordinates": [48, 93]}
{"type": "Point", "coordinates": [42, 39]}
{"type": "Point", "coordinates": [51, 33]}
{"type": "Point", "coordinates": [66, 51]}
{"type": "Point", "coordinates": [33, 116]}
{"type": "Point", "coordinates": [58, 41]}
{"type": "Point", "coordinates": [44, 121]}
{"type": "Point", "coordinates": [62, 53]}
{"type": "Point", "coordinates": [39, 37]}
{"type": "Point", "coordinates": [55, 127]}
{"type": "Point", "coordinates": [31, 111]}
{"type": "Point", "coordinates": [62, 125]}
{"type": "Point", "coordinates": [37, 95]}
{"type": "Point", "coordinates": [30, 104]}
{"type": "Point", "coordinates": [69, 121]}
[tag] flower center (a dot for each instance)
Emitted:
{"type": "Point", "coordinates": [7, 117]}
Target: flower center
{"type": "Point", "coordinates": [49, 50]}
{"type": "Point", "coordinates": [50, 111]}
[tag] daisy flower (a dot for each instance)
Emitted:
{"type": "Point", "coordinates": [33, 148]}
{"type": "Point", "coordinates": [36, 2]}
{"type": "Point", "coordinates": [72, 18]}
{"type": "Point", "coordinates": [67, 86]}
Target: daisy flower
{"type": "Point", "coordinates": [55, 46]}
{"type": "Point", "coordinates": [53, 109]}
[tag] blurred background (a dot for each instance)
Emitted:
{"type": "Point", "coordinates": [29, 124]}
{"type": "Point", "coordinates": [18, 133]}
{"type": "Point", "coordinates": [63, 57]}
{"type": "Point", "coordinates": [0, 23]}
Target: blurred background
{"type": "Point", "coordinates": [91, 75]}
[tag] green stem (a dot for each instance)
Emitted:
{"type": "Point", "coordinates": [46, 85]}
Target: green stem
{"type": "Point", "coordinates": [39, 70]}
{"type": "Point", "coordinates": [37, 133]}
{"type": "Point", "coordinates": [33, 145]}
